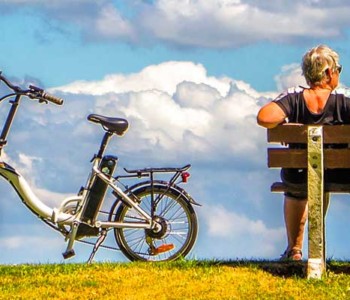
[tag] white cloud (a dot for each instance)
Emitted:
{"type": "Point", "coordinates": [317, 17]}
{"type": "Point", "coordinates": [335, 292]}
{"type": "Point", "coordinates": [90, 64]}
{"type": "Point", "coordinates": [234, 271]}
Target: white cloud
{"type": "Point", "coordinates": [222, 222]}
{"type": "Point", "coordinates": [30, 243]}
{"type": "Point", "coordinates": [177, 103]}
{"type": "Point", "coordinates": [17, 242]}
{"type": "Point", "coordinates": [25, 165]}
{"type": "Point", "coordinates": [236, 23]}
{"type": "Point", "coordinates": [163, 77]}
{"type": "Point", "coordinates": [241, 234]}
{"type": "Point", "coordinates": [111, 25]}
{"type": "Point", "coordinates": [290, 76]}
{"type": "Point", "coordinates": [200, 23]}
{"type": "Point", "coordinates": [225, 24]}
{"type": "Point", "coordinates": [196, 95]}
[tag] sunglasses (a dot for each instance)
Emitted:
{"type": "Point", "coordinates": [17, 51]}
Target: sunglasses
{"type": "Point", "coordinates": [339, 68]}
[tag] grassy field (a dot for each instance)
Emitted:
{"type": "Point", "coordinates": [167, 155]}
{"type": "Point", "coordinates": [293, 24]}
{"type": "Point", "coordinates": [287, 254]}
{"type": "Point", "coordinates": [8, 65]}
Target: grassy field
{"type": "Point", "coordinates": [177, 280]}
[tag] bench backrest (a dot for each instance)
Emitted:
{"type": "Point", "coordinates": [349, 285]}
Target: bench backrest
{"type": "Point", "coordinates": [297, 158]}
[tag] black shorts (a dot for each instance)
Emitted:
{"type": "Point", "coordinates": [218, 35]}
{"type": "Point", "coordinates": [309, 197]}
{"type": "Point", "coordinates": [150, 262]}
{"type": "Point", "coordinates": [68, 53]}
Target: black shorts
{"type": "Point", "coordinates": [297, 179]}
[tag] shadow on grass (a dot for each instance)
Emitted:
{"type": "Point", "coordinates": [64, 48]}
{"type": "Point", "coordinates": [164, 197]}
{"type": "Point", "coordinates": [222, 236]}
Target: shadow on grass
{"type": "Point", "coordinates": [276, 268]}
{"type": "Point", "coordinates": [283, 268]}
{"type": "Point", "coordinates": [339, 267]}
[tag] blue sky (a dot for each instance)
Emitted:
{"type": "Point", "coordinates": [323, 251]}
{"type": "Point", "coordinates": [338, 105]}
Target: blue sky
{"type": "Point", "coordinates": [190, 77]}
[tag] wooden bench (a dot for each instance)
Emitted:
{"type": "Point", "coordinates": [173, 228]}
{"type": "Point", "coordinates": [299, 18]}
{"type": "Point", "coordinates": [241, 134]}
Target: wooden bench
{"type": "Point", "coordinates": [316, 156]}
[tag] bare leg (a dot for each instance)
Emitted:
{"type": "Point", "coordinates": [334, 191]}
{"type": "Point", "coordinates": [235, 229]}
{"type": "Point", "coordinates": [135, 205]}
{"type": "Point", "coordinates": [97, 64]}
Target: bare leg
{"type": "Point", "coordinates": [295, 216]}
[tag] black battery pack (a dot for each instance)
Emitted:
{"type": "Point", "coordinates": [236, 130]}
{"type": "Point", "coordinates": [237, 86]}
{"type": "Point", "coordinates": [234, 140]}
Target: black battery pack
{"type": "Point", "coordinates": [98, 190]}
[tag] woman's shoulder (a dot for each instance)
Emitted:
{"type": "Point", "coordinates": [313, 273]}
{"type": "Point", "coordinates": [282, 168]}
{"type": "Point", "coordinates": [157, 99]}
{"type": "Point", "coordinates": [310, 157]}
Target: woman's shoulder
{"type": "Point", "coordinates": [342, 91]}
{"type": "Point", "coordinates": [290, 91]}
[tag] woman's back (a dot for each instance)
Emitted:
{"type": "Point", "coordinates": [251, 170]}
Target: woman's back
{"type": "Point", "coordinates": [316, 99]}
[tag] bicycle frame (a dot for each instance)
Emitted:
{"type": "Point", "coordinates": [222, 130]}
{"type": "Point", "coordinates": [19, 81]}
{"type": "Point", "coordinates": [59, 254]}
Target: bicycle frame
{"type": "Point", "coordinates": [125, 197]}
{"type": "Point", "coordinates": [31, 200]}
{"type": "Point", "coordinates": [56, 215]}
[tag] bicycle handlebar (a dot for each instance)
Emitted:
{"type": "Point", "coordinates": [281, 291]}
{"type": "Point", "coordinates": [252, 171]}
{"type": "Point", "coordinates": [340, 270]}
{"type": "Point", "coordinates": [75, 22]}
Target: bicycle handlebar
{"type": "Point", "coordinates": [33, 92]}
{"type": "Point", "coordinates": [52, 99]}
{"type": "Point", "coordinates": [43, 96]}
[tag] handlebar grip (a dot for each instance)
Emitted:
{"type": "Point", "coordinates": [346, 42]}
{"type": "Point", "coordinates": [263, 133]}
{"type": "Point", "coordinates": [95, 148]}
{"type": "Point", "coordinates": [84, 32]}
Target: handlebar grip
{"type": "Point", "coordinates": [51, 98]}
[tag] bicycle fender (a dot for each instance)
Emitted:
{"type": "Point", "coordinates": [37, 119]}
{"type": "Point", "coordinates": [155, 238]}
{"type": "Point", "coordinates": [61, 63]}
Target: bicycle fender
{"type": "Point", "coordinates": [165, 184]}
{"type": "Point", "coordinates": [133, 188]}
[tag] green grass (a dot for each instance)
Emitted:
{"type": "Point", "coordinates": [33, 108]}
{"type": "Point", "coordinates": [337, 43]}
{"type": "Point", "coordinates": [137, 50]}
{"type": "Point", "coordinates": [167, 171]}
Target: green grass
{"type": "Point", "coordinates": [176, 280]}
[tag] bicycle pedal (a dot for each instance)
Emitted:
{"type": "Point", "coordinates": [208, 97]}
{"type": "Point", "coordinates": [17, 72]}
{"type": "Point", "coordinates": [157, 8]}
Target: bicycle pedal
{"type": "Point", "coordinates": [163, 248]}
{"type": "Point", "coordinates": [68, 254]}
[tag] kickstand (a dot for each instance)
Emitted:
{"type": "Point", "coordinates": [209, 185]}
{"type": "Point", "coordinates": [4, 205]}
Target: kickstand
{"type": "Point", "coordinates": [98, 243]}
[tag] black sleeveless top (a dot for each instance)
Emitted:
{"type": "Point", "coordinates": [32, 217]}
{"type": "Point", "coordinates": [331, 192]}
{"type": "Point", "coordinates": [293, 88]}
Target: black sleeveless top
{"type": "Point", "coordinates": [335, 112]}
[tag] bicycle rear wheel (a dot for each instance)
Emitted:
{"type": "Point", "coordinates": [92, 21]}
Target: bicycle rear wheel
{"type": "Point", "coordinates": [175, 236]}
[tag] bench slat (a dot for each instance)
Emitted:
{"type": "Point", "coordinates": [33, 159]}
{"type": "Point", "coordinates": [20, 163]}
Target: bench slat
{"type": "Point", "coordinates": [336, 158]}
{"type": "Point", "coordinates": [280, 187]}
{"type": "Point", "coordinates": [297, 158]}
{"type": "Point", "coordinates": [298, 134]}
{"type": "Point", "coordinates": [287, 134]}
{"type": "Point", "coordinates": [336, 134]}
{"type": "Point", "coordinates": [286, 158]}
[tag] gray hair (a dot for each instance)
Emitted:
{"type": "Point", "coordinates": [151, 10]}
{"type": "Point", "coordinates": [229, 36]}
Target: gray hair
{"type": "Point", "coordinates": [316, 61]}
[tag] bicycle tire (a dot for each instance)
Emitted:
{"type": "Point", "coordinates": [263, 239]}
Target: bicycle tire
{"type": "Point", "coordinates": [179, 226]}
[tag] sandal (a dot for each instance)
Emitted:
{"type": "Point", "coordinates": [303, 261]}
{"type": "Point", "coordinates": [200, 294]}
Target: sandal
{"type": "Point", "coordinates": [293, 255]}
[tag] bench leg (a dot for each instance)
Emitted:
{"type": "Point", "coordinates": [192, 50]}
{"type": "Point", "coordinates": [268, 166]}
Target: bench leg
{"type": "Point", "coordinates": [325, 209]}
{"type": "Point", "coordinates": [317, 266]}
{"type": "Point", "coordinates": [316, 258]}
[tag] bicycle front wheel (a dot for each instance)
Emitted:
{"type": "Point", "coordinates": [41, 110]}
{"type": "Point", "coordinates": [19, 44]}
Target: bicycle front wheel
{"type": "Point", "coordinates": [176, 230]}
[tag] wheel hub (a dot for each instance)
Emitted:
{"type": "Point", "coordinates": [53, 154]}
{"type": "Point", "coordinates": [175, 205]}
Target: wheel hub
{"type": "Point", "coordinates": [160, 230]}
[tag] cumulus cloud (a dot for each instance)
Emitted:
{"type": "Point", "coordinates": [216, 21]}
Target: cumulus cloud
{"type": "Point", "coordinates": [291, 75]}
{"type": "Point", "coordinates": [17, 242]}
{"type": "Point", "coordinates": [238, 234]}
{"type": "Point", "coordinates": [29, 243]}
{"type": "Point", "coordinates": [30, 172]}
{"type": "Point", "coordinates": [200, 23]}
{"type": "Point", "coordinates": [112, 25]}
{"type": "Point", "coordinates": [233, 23]}
{"type": "Point", "coordinates": [163, 77]}
{"type": "Point", "coordinates": [177, 103]}
{"type": "Point", "coordinates": [233, 225]}
{"type": "Point", "coordinates": [97, 20]}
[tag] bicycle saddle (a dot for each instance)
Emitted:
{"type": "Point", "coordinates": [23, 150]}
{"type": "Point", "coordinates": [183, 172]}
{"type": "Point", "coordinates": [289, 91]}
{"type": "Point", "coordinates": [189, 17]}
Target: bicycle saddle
{"type": "Point", "coordinates": [114, 125]}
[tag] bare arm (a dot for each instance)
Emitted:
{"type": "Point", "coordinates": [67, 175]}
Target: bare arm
{"type": "Point", "coordinates": [271, 115]}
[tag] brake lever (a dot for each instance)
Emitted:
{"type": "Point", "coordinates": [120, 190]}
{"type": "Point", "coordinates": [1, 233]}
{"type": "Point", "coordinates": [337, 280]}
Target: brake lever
{"type": "Point", "coordinates": [41, 100]}
{"type": "Point", "coordinates": [36, 89]}
{"type": "Point", "coordinates": [36, 93]}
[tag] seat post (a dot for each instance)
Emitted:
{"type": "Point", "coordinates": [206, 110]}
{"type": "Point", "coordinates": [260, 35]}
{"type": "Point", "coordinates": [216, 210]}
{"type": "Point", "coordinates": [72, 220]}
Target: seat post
{"type": "Point", "coordinates": [104, 143]}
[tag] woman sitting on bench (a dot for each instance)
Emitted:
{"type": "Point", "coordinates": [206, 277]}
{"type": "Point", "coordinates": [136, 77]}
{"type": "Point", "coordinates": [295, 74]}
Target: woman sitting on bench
{"type": "Point", "coordinates": [319, 103]}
